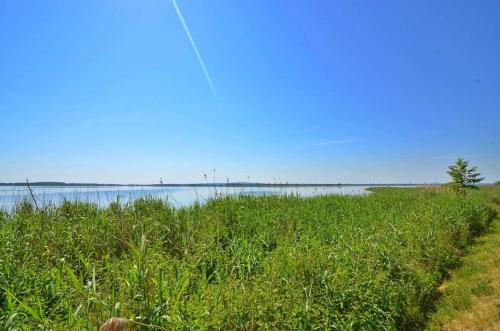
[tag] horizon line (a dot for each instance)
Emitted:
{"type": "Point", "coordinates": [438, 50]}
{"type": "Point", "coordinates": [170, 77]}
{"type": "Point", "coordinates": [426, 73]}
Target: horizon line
{"type": "Point", "coordinates": [219, 184]}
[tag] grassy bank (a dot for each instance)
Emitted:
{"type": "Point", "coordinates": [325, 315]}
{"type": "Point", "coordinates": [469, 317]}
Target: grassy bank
{"type": "Point", "coordinates": [237, 263]}
{"type": "Point", "coordinates": [471, 297]}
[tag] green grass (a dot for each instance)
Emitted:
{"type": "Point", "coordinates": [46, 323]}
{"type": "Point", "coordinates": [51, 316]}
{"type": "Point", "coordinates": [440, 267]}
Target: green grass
{"type": "Point", "coordinates": [471, 297]}
{"type": "Point", "coordinates": [333, 262]}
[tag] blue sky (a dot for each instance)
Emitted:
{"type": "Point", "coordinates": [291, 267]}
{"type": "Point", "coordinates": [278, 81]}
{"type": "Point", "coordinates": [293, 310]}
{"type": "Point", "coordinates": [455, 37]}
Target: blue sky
{"type": "Point", "coordinates": [303, 91]}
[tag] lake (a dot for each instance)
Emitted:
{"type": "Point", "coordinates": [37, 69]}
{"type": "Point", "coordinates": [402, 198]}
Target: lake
{"type": "Point", "coordinates": [10, 196]}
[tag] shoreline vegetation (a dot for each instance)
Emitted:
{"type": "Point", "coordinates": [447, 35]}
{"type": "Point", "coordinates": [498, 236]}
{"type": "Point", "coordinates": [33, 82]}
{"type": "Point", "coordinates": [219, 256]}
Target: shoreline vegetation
{"type": "Point", "coordinates": [244, 262]}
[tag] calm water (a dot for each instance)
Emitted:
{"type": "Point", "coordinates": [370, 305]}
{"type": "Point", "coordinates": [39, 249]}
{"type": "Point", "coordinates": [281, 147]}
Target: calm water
{"type": "Point", "coordinates": [10, 196]}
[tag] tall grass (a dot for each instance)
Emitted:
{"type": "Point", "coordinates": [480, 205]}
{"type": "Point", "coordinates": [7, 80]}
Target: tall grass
{"type": "Point", "coordinates": [272, 262]}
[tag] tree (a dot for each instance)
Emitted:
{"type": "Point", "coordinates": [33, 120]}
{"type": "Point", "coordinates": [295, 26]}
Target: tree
{"type": "Point", "coordinates": [463, 177]}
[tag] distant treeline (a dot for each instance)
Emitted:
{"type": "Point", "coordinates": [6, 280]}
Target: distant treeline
{"type": "Point", "coordinates": [235, 184]}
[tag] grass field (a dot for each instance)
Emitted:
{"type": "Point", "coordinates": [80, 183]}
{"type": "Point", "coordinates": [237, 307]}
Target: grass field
{"type": "Point", "coordinates": [333, 262]}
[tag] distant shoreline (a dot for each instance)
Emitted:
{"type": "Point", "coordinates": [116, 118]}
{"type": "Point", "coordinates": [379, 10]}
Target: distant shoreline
{"type": "Point", "coordinates": [236, 184]}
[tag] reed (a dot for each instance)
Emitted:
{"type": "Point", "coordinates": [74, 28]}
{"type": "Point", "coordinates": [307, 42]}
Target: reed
{"type": "Point", "coordinates": [268, 262]}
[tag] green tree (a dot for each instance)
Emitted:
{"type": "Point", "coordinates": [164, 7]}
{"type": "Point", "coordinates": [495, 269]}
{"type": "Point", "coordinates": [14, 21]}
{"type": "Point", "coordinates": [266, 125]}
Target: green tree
{"type": "Point", "coordinates": [463, 177]}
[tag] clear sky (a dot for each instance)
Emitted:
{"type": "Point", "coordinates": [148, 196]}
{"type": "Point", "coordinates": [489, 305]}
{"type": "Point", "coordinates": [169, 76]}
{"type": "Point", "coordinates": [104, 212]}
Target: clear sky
{"type": "Point", "coordinates": [298, 91]}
